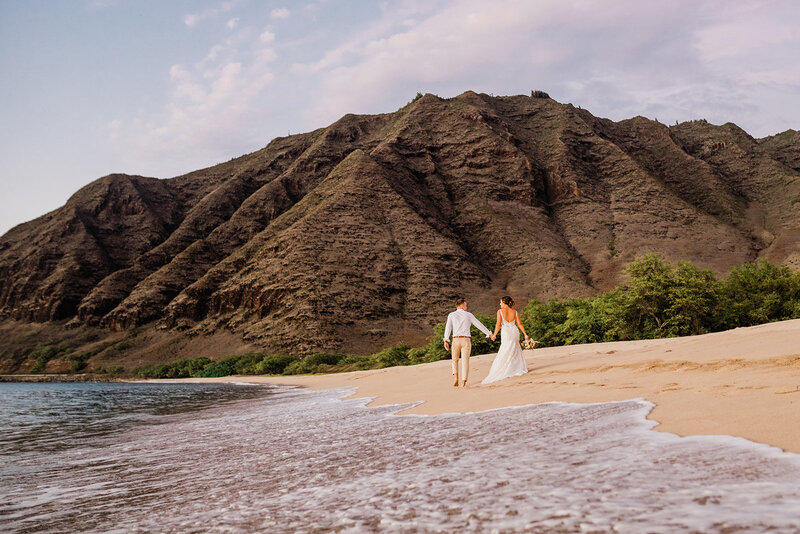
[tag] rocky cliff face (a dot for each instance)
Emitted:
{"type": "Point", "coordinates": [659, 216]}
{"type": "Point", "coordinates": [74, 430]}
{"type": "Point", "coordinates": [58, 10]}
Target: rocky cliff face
{"type": "Point", "coordinates": [365, 231]}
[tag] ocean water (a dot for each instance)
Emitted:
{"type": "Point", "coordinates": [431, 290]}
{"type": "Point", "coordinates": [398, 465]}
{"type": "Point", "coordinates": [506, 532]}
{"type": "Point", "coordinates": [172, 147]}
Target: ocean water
{"type": "Point", "coordinates": [240, 458]}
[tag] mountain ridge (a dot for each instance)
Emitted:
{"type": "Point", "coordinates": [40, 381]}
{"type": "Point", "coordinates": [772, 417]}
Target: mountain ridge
{"type": "Point", "coordinates": [363, 232]}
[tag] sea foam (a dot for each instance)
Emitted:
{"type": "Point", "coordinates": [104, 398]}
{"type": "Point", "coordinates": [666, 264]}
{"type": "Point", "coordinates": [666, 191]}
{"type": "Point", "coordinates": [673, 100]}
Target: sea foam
{"type": "Point", "coordinates": [306, 461]}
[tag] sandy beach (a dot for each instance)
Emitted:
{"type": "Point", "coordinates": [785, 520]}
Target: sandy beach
{"type": "Point", "coordinates": [743, 382]}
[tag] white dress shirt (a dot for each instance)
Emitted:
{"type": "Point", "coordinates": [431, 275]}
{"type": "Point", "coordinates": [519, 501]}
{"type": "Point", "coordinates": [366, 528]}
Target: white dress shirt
{"type": "Point", "coordinates": [459, 321]}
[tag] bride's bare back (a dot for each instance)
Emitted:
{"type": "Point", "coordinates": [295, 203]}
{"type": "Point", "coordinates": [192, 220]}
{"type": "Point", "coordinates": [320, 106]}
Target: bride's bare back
{"type": "Point", "coordinates": [508, 314]}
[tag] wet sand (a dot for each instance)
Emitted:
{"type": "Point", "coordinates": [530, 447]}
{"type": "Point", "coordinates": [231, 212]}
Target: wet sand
{"type": "Point", "coordinates": [743, 382]}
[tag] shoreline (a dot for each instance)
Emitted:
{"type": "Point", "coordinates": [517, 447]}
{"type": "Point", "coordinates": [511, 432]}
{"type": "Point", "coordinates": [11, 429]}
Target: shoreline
{"type": "Point", "coordinates": [743, 382]}
{"type": "Point", "coordinates": [60, 377]}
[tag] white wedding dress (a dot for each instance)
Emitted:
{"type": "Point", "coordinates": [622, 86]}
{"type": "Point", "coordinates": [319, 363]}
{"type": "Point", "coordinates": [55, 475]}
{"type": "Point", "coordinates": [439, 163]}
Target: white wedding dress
{"type": "Point", "coordinates": [509, 360]}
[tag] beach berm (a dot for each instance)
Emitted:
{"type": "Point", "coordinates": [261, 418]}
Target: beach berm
{"type": "Point", "coordinates": [743, 382]}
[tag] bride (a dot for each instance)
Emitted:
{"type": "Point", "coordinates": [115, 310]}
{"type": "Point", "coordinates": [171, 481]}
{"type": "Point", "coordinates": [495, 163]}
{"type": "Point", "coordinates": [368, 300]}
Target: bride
{"type": "Point", "coordinates": [509, 360]}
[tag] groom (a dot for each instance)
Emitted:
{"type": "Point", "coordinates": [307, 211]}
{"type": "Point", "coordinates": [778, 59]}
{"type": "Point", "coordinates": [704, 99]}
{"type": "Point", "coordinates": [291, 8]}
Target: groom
{"type": "Point", "coordinates": [458, 322]}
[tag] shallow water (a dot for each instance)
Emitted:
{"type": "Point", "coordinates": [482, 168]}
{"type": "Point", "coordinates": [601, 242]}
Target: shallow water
{"type": "Point", "coordinates": [285, 459]}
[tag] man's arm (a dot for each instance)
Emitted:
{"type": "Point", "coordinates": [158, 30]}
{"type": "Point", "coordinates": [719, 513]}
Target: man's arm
{"type": "Point", "coordinates": [447, 329]}
{"type": "Point", "coordinates": [479, 325]}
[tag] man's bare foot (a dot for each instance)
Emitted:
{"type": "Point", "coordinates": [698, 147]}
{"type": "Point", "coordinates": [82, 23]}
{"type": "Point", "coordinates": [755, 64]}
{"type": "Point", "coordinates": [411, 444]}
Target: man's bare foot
{"type": "Point", "coordinates": [464, 384]}
{"type": "Point", "coordinates": [455, 382]}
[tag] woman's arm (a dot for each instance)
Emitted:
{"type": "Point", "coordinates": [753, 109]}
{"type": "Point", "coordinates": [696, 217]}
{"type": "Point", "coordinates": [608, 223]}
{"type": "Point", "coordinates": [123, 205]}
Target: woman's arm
{"type": "Point", "coordinates": [498, 321]}
{"type": "Point", "coordinates": [519, 324]}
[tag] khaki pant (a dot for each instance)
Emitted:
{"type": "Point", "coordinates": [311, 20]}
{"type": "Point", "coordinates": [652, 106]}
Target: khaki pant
{"type": "Point", "coordinates": [461, 347]}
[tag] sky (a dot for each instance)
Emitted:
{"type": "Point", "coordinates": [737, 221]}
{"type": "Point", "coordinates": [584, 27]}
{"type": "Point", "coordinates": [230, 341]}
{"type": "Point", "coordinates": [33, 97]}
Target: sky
{"type": "Point", "coordinates": [154, 88]}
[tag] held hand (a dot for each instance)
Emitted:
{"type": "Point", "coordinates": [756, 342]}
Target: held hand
{"type": "Point", "coordinates": [526, 336]}
{"type": "Point", "coordinates": [493, 336]}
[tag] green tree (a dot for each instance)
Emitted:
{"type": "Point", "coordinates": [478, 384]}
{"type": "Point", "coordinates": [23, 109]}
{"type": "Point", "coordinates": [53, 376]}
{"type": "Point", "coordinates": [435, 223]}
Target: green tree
{"type": "Point", "coordinates": [694, 301]}
{"type": "Point", "coordinates": [759, 292]}
{"type": "Point", "coordinates": [646, 297]}
{"type": "Point", "coordinates": [545, 322]}
{"type": "Point", "coordinates": [593, 320]}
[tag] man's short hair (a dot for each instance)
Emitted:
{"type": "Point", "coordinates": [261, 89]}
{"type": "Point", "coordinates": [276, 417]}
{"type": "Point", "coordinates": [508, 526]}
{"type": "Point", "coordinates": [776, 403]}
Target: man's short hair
{"type": "Point", "coordinates": [460, 301]}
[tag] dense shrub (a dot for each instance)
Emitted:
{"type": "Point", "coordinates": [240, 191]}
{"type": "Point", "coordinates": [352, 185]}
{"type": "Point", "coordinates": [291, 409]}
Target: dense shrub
{"type": "Point", "coordinates": [392, 356]}
{"type": "Point", "coordinates": [183, 368]}
{"type": "Point", "coordinates": [759, 292]}
{"type": "Point", "coordinates": [79, 362]}
{"type": "Point", "coordinates": [417, 355]}
{"type": "Point", "coordinates": [664, 301]}
{"type": "Point", "coordinates": [44, 353]}
{"type": "Point", "coordinates": [244, 364]}
{"type": "Point", "coordinates": [123, 346]}
{"type": "Point", "coordinates": [273, 364]}
{"type": "Point", "coordinates": [109, 369]}
{"type": "Point", "coordinates": [480, 343]}
{"type": "Point", "coordinates": [220, 368]}
{"type": "Point", "coordinates": [356, 362]}
{"type": "Point", "coordinates": [313, 363]}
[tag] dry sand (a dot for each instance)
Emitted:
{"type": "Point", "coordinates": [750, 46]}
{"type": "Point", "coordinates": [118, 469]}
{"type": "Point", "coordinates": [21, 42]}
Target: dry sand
{"type": "Point", "coordinates": [743, 382]}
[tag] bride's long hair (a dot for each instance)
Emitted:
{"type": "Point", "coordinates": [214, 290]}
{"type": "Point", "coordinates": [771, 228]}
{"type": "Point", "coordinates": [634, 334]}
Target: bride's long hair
{"type": "Point", "coordinates": [508, 301]}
